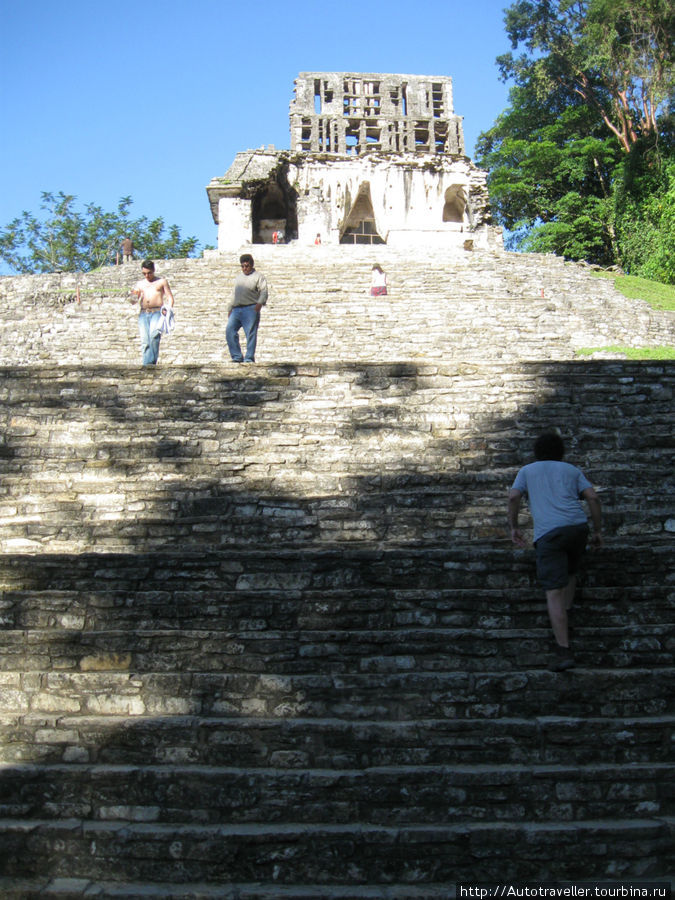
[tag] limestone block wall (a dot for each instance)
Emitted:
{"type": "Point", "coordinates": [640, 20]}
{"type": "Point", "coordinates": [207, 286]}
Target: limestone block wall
{"type": "Point", "coordinates": [203, 458]}
{"type": "Point", "coordinates": [413, 199]}
{"type": "Point", "coordinates": [417, 201]}
{"type": "Point", "coordinates": [234, 222]}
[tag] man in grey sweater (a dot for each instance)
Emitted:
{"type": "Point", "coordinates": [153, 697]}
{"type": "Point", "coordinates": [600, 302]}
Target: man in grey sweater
{"type": "Point", "coordinates": [249, 297]}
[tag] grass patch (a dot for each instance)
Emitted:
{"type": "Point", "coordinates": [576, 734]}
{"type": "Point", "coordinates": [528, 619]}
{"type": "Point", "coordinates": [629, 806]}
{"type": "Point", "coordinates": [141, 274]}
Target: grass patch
{"type": "Point", "coordinates": [659, 296]}
{"type": "Point", "coordinates": [632, 352]}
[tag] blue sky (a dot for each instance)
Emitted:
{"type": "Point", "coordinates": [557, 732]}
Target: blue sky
{"type": "Point", "coordinates": [152, 99]}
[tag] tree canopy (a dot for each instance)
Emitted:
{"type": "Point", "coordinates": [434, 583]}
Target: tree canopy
{"type": "Point", "coordinates": [582, 157]}
{"type": "Point", "coordinates": [616, 55]}
{"type": "Point", "coordinates": [66, 239]}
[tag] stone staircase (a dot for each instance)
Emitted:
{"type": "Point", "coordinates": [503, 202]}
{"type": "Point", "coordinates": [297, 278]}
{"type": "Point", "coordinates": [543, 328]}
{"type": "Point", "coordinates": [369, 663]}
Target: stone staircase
{"type": "Point", "coordinates": [478, 306]}
{"type": "Point", "coordinates": [263, 634]}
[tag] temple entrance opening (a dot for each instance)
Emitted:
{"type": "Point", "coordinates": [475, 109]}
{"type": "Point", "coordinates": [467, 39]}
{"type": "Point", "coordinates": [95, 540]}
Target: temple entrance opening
{"type": "Point", "coordinates": [360, 227]}
{"type": "Point", "coordinates": [269, 214]}
{"type": "Point", "coordinates": [455, 204]}
{"type": "Point", "coordinates": [273, 211]}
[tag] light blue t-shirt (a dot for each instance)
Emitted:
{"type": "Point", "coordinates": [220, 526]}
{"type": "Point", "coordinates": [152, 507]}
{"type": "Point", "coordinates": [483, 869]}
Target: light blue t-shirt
{"type": "Point", "coordinates": [553, 490]}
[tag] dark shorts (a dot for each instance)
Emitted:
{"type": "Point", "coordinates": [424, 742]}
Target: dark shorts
{"type": "Point", "coordinates": [559, 555]}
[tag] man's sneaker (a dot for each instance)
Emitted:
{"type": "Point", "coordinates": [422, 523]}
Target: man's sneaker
{"type": "Point", "coordinates": [561, 659]}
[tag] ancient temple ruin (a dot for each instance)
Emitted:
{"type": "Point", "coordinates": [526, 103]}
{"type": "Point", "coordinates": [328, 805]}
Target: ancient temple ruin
{"type": "Point", "coordinates": [374, 159]}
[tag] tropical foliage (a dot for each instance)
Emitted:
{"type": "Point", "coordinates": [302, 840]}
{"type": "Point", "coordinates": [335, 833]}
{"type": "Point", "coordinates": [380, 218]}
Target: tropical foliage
{"type": "Point", "coordinates": [65, 239]}
{"type": "Point", "coordinates": [582, 162]}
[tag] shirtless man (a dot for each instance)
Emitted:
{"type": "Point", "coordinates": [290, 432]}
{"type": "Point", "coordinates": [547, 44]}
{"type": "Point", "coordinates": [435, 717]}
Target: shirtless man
{"type": "Point", "coordinates": [153, 294]}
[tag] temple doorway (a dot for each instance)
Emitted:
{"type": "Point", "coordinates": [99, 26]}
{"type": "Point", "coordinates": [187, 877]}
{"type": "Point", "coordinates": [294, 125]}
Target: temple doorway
{"type": "Point", "coordinates": [360, 227]}
{"type": "Point", "coordinates": [273, 212]}
{"type": "Point", "coordinates": [455, 204]}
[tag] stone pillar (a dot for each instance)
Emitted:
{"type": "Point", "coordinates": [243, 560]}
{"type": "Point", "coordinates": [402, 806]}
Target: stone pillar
{"type": "Point", "coordinates": [234, 223]}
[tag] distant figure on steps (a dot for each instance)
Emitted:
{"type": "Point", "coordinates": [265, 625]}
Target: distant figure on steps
{"type": "Point", "coordinates": [554, 489]}
{"type": "Point", "coordinates": [153, 294]}
{"type": "Point", "coordinates": [378, 281]}
{"type": "Point", "coordinates": [127, 250]}
{"type": "Point", "coordinates": [249, 297]}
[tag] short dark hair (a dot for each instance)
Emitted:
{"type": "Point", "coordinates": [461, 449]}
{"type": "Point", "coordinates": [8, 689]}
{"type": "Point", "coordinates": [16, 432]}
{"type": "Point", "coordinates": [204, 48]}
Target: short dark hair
{"type": "Point", "coordinates": [549, 445]}
{"type": "Point", "coordinates": [246, 257]}
{"type": "Point", "coordinates": [148, 264]}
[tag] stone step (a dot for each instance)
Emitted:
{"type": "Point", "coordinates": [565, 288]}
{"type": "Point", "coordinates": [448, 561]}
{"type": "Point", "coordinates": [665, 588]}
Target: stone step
{"type": "Point", "coordinates": [337, 855]}
{"type": "Point", "coordinates": [72, 888]}
{"type": "Point", "coordinates": [108, 524]}
{"type": "Point", "coordinates": [318, 568]}
{"type": "Point", "coordinates": [93, 386]}
{"type": "Point", "coordinates": [343, 651]}
{"type": "Point", "coordinates": [199, 335]}
{"type": "Point", "coordinates": [247, 601]}
{"type": "Point", "coordinates": [581, 692]}
{"type": "Point", "coordinates": [301, 282]}
{"type": "Point", "coordinates": [301, 743]}
{"type": "Point", "coordinates": [383, 795]}
{"type": "Point", "coordinates": [131, 481]}
{"type": "Point", "coordinates": [95, 607]}
{"type": "Point", "coordinates": [81, 475]}
{"type": "Point", "coordinates": [284, 529]}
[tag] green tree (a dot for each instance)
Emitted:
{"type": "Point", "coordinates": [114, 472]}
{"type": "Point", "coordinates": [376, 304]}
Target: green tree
{"type": "Point", "coordinates": [615, 55]}
{"type": "Point", "coordinates": [65, 239]}
{"type": "Point", "coordinates": [630, 45]}
{"type": "Point", "coordinates": [551, 170]}
{"type": "Point", "coordinates": [645, 217]}
{"type": "Point", "coordinates": [582, 152]}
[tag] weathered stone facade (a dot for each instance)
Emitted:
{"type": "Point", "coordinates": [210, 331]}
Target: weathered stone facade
{"type": "Point", "coordinates": [374, 159]}
{"type": "Point", "coordinates": [349, 114]}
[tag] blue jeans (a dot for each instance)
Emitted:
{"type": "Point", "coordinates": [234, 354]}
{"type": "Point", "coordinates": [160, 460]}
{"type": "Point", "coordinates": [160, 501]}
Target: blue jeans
{"type": "Point", "coordinates": [148, 330]}
{"type": "Point", "coordinates": [248, 318]}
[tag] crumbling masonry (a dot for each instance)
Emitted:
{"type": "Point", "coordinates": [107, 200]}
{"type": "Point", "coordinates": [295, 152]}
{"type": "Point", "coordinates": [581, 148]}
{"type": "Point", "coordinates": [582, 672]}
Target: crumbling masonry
{"type": "Point", "coordinates": [374, 159]}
